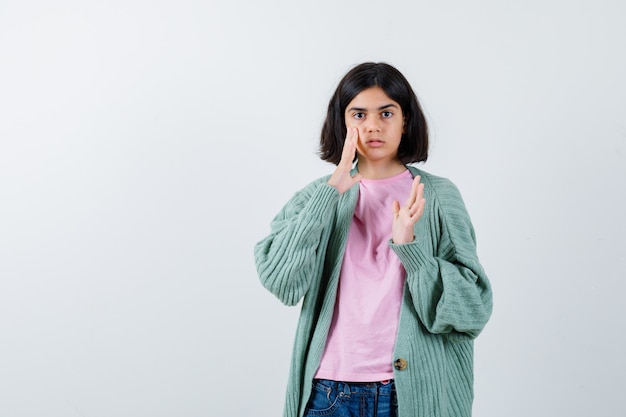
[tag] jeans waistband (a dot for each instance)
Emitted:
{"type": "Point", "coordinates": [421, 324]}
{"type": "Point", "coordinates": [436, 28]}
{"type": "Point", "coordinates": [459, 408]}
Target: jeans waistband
{"type": "Point", "coordinates": [353, 387]}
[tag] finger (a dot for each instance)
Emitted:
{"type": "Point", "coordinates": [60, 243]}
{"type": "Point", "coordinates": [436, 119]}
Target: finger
{"type": "Point", "coordinates": [420, 195]}
{"type": "Point", "coordinates": [420, 209]}
{"type": "Point", "coordinates": [396, 207]}
{"type": "Point", "coordinates": [349, 146]}
{"type": "Point", "coordinates": [417, 208]}
{"type": "Point", "coordinates": [414, 192]}
{"type": "Point", "coordinates": [420, 191]}
{"type": "Point", "coordinates": [357, 142]}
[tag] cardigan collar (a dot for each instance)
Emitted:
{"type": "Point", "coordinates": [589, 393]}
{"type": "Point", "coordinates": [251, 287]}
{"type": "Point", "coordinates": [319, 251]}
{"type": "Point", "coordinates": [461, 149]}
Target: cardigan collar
{"type": "Point", "coordinates": [414, 171]}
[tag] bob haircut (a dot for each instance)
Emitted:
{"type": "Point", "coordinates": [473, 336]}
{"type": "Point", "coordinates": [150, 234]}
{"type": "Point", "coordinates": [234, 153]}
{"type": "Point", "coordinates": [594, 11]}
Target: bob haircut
{"type": "Point", "coordinates": [414, 142]}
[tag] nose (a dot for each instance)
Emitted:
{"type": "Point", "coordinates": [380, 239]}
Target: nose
{"type": "Point", "coordinates": [373, 125]}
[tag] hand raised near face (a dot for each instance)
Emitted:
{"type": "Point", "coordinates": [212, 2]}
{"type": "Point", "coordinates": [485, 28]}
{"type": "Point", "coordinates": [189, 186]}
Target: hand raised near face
{"type": "Point", "coordinates": [341, 178]}
{"type": "Point", "coordinates": [405, 217]}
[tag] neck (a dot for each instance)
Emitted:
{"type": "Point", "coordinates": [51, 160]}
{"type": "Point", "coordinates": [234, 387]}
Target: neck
{"type": "Point", "coordinates": [375, 171]}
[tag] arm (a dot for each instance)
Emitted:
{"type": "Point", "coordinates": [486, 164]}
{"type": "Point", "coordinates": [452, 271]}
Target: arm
{"type": "Point", "coordinates": [449, 288]}
{"type": "Point", "coordinates": [290, 257]}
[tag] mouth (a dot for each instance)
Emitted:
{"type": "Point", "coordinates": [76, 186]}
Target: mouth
{"type": "Point", "coordinates": [374, 142]}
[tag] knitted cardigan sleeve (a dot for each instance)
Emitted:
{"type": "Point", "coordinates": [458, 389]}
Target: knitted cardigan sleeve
{"type": "Point", "coordinates": [290, 257]}
{"type": "Point", "coordinates": [447, 283]}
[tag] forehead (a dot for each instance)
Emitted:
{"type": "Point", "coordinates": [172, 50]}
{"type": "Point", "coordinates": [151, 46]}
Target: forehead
{"type": "Point", "coordinates": [373, 97]}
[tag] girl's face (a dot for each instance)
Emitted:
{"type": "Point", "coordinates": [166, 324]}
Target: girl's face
{"type": "Point", "coordinates": [380, 124]}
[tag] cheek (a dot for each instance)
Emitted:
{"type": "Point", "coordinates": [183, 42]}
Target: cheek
{"type": "Point", "coordinates": [353, 125]}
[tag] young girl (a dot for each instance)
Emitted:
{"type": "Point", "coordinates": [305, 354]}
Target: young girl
{"type": "Point", "coordinates": [383, 257]}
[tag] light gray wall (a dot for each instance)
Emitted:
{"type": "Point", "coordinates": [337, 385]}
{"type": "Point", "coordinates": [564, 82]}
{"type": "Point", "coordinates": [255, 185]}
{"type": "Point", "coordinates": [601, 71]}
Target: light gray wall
{"type": "Point", "coordinates": [146, 145]}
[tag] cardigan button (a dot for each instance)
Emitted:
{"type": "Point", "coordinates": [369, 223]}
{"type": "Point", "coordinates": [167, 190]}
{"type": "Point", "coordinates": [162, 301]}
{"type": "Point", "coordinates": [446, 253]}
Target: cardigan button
{"type": "Point", "coordinates": [400, 364]}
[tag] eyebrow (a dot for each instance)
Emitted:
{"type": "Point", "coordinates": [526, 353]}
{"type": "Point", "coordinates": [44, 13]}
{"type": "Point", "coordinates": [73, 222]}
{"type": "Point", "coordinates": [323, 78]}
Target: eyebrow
{"type": "Point", "coordinates": [386, 106]}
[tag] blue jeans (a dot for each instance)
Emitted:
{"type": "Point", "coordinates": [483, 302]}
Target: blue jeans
{"type": "Point", "coordinates": [349, 399]}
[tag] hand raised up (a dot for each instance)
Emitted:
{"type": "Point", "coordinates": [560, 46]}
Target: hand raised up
{"type": "Point", "coordinates": [405, 217]}
{"type": "Point", "coordinates": [341, 178]}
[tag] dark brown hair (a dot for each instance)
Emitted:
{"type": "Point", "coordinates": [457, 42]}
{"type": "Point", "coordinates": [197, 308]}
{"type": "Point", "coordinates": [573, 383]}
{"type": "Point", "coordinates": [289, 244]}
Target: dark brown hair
{"type": "Point", "coordinates": [414, 142]}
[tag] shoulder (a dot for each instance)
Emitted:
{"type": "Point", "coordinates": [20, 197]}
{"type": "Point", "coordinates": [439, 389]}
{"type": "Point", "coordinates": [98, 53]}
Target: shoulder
{"type": "Point", "coordinates": [439, 187]}
{"type": "Point", "coordinates": [316, 182]}
{"type": "Point", "coordinates": [445, 199]}
{"type": "Point", "coordinates": [310, 188]}
{"type": "Point", "coordinates": [316, 189]}
{"type": "Point", "coordinates": [448, 206]}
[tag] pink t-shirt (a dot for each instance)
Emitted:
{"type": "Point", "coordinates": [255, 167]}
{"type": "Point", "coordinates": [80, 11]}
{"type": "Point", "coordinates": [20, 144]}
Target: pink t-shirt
{"type": "Point", "coordinates": [362, 335]}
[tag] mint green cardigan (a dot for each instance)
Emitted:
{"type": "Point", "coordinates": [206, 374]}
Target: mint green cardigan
{"type": "Point", "coordinates": [446, 303]}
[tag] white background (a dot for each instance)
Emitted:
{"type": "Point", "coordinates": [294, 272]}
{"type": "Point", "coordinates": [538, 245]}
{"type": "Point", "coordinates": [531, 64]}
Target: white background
{"type": "Point", "coordinates": [146, 145]}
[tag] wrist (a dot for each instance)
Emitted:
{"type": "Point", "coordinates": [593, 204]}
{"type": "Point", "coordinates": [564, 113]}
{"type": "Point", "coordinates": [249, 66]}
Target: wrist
{"type": "Point", "coordinates": [399, 240]}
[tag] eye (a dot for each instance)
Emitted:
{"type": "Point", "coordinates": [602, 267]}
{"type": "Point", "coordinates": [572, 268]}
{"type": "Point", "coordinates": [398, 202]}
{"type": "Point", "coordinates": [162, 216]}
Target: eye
{"type": "Point", "coordinates": [358, 115]}
{"type": "Point", "coordinates": [387, 114]}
